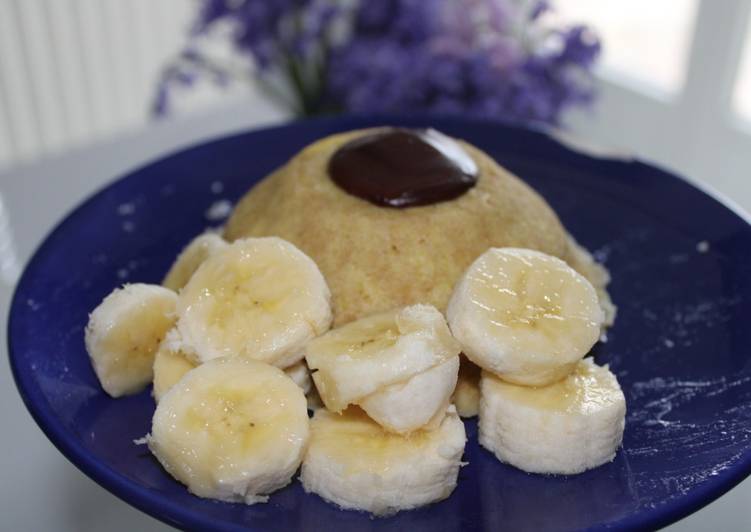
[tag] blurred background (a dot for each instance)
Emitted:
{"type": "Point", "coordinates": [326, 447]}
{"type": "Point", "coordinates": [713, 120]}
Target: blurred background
{"type": "Point", "coordinates": [90, 89]}
{"type": "Point", "coordinates": [672, 82]}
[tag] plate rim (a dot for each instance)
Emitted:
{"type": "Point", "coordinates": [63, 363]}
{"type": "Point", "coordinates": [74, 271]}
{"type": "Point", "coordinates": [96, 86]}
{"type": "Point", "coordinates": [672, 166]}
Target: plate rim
{"type": "Point", "coordinates": [163, 508]}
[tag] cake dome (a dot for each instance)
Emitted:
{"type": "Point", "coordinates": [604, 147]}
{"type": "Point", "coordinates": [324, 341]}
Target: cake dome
{"type": "Point", "coordinates": [376, 257]}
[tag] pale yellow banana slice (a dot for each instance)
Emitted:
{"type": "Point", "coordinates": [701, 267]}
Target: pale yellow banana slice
{"type": "Point", "coordinates": [260, 298]}
{"type": "Point", "coordinates": [358, 359]}
{"type": "Point", "coordinates": [123, 335]}
{"type": "Point", "coordinates": [567, 427]}
{"type": "Point", "coordinates": [583, 262]}
{"type": "Point", "coordinates": [419, 402]}
{"type": "Point", "coordinates": [354, 463]}
{"type": "Point", "coordinates": [232, 429]}
{"type": "Point", "coordinates": [526, 316]}
{"type": "Point", "coordinates": [300, 375]}
{"type": "Point", "coordinates": [314, 400]}
{"type": "Point", "coordinates": [190, 258]}
{"type": "Point", "coordinates": [466, 396]}
{"type": "Point", "coordinates": [170, 364]}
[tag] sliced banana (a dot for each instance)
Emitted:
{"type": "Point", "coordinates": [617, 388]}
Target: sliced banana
{"type": "Point", "coordinates": [260, 298]}
{"type": "Point", "coordinates": [232, 429]}
{"type": "Point", "coordinates": [358, 359]}
{"type": "Point", "coordinates": [170, 364]}
{"type": "Point", "coordinates": [300, 375]}
{"type": "Point", "coordinates": [123, 335]}
{"type": "Point", "coordinates": [314, 400]}
{"type": "Point", "coordinates": [354, 463]}
{"type": "Point", "coordinates": [526, 316]}
{"type": "Point", "coordinates": [190, 258]}
{"type": "Point", "coordinates": [419, 402]}
{"type": "Point", "coordinates": [565, 428]}
{"type": "Point", "coordinates": [466, 396]}
{"type": "Point", "coordinates": [583, 262]}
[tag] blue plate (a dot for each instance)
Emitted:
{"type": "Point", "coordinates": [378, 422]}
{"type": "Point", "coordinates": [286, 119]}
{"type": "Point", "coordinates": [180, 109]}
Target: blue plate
{"type": "Point", "coordinates": [681, 266]}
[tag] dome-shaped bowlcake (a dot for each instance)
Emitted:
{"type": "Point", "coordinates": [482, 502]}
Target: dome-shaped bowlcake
{"type": "Point", "coordinates": [377, 258]}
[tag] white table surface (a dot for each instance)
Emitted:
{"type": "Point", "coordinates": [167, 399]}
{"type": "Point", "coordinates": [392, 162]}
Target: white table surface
{"type": "Point", "coordinates": [39, 488]}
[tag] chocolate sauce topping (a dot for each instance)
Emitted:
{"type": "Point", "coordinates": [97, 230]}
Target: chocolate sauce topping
{"type": "Point", "coordinates": [403, 167]}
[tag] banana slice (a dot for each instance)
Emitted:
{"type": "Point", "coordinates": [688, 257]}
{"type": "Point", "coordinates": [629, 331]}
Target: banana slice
{"type": "Point", "coordinates": [300, 375]}
{"type": "Point", "coordinates": [566, 428]}
{"type": "Point", "coordinates": [419, 402]}
{"type": "Point", "coordinates": [354, 463]}
{"type": "Point", "coordinates": [466, 396]}
{"type": "Point", "coordinates": [123, 335]}
{"type": "Point", "coordinates": [314, 400]}
{"type": "Point", "coordinates": [232, 429]}
{"type": "Point", "coordinates": [170, 364]}
{"type": "Point", "coordinates": [583, 262]}
{"type": "Point", "coordinates": [356, 360]}
{"type": "Point", "coordinates": [190, 258]}
{"type": "Point", "coordinates": [524, 315]}
{"type": "Point", "coordinates": [260, 298]}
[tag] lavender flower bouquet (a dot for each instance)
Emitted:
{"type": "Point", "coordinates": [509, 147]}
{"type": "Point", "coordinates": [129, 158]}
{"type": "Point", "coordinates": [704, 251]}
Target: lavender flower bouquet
{"type": "Point", "coordinates": [497, 59]}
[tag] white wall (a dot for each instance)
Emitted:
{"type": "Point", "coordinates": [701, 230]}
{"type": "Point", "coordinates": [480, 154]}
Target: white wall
{"type": "Point", "coordinates": [76, 71]}
{"type": "Point", "coordinates": [697, 130]}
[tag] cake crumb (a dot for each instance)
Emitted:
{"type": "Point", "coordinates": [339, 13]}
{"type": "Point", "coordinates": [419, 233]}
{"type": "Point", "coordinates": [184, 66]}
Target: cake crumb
{"type": "Point", "coordinates": [124, 209]}
{"type": "Point", "coordinates": [218, 210]}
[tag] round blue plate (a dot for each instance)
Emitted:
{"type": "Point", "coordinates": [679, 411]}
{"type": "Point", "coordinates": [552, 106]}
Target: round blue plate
{"type": "Point", "coordinates": [681, 267]}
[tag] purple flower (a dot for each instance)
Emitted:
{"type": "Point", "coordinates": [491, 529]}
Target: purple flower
{"type": "Point", "coordinates": [540, 7]}
{"type": "Point", "coordinates": [467, 58]}
{"type": "Point", "coordinates": [474, 57]}
{"type": "Point", "coordinates": [375, 17]}
{"type": "Point", "coordinates": [270, 29]}
{"type": "Point", "coordinates": [581, 47]}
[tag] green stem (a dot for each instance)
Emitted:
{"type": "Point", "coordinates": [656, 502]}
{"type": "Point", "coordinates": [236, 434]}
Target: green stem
{"type": "Point", "coordinates": [269, 90]}
{"type": "Point", "coordinates": [298, 84]}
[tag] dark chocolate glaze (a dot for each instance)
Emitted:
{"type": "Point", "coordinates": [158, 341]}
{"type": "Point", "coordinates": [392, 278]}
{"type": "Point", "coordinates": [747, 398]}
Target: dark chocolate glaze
{"type": "Point", "coordinates": [401, 168]}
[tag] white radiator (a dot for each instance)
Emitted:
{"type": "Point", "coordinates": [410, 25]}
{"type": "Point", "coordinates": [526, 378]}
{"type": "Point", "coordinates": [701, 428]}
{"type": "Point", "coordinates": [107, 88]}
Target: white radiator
{"type": "Point", "coordinates": [74, 71]}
